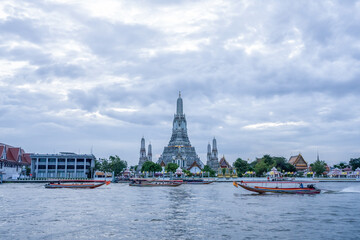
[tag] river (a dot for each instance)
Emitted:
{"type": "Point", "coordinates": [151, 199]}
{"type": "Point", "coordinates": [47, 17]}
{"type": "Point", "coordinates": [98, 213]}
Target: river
{"type": "Point", "coordinates": [215, 211]}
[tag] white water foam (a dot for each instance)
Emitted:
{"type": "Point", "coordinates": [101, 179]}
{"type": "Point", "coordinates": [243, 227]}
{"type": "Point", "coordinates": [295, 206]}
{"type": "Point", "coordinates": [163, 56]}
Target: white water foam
{"type": "Point", "coordinates": [351, 190]}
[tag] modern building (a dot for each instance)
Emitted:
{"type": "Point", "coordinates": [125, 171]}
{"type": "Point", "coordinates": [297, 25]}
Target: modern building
{"type": "Point", "coordinates": [13, 161]}
{"type": "Point", "coordinates": [179, 149]}
{"type": "Point", "coordinates": [212, 156]}
{"type": "Point", "coordinates": [143, 158]}
{"type": "Point", "coordinates": [299, 163]}
{"type": "Point", "coordinates": [62, 165]}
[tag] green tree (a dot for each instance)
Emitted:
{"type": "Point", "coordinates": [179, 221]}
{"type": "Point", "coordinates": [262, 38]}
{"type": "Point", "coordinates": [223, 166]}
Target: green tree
{"type": "Point", "coordinates": [252, 165]}
{"type": "Point", "coordinates": [341, 165]}
{"type": "Point", "coordinates": [27, 171]}
{"type": "Point", "coordinates": [149, 166]}
{"type": "Point", "coordinates": [282, 165]}
{"type": "Point", "coordinates": [268, 160]}
{"type": "Point", "coordinates": [187, 173]}
{"type": "Point", "coordinates": [241, 166]}
{"type": "Point", "coordinates": [117, 165]}
{"type": "Point", "coordinates": [354, 163]}
{"type": "Point", "coordinates": [105, 166]}
{"type": "Point", "coordinates": [97, 165]}
{"type": "Point", "coordinates": [261, 168]}
{"type": "Point", "coordinates": [208, 169]}
{"type": "Point", "coordinates": [318, 167]}
{"type": "Point", "coordinates": [171, 167]}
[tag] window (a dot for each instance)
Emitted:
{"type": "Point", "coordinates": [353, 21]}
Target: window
{"type": "Point", "coordinates": [42, 159]}
{"type": "Point", "coordinates": [79, 166]}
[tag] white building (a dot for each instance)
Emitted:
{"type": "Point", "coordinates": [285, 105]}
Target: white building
{"type": "Point", "coordinates": [62, 165]}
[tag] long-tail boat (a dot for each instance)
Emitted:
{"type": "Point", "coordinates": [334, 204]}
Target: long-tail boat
{"type": "Point", "coordinates": [196, 181]}
{"type": "Point", "coordinates": [309, 189]}
{"type": "Point", "coordinates": [60, 184]}
{"type": "Point", "coordinates": [141, 182]}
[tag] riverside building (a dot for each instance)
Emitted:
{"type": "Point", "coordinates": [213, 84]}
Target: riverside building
{"type": "Point", "coordinates": [13, 161]}
{"type": "Point", "coordinates": [179, 149]}
{"type": "Point", "coordinates": [62, 165]}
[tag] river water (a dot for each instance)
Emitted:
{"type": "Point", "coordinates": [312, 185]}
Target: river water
{"type": "Point", "coordinates": [215, 211]}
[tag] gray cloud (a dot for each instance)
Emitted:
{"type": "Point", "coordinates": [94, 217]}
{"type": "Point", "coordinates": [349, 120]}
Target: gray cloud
{"type": "Point", "coordinates": [288, 70]}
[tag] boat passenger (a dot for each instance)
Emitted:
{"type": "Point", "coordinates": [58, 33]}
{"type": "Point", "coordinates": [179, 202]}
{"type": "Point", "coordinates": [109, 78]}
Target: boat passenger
{"type": "Point", "coordinates": [301, 185]}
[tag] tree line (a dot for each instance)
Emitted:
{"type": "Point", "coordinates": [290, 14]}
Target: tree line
{"type": "Point", "coordinates": [260, 166]}
{"type": "Point", "coordinates": [113, 164]}
{"type": "Point", "coordinates": [263, 165]}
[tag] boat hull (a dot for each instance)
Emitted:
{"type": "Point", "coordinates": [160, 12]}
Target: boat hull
{"type": "Point", "coordinates": [87, 185]}
{"type": "Point", "coordinates": [261, 190]}
{"type": "Point", "coordinates": [198, 182]}
{"type": "Point", "coordinates": [154, 185]}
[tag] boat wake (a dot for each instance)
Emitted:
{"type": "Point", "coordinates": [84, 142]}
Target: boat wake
{"type": "Point", "coordinates": [351, 190]}
{"type": "Point", "coordinates": [325, 191]}
{"type": "Point", "coordinates": [345, 190]}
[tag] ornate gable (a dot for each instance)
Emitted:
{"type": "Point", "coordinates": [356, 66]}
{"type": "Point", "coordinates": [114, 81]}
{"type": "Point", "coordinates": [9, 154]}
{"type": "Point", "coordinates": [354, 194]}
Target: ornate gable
{"type": "Point", "coordinates": [194, 165]}
{"type": "Point", "coordinates": [299, 162]}
{"type": "Point", "coordinates": [223, 163]}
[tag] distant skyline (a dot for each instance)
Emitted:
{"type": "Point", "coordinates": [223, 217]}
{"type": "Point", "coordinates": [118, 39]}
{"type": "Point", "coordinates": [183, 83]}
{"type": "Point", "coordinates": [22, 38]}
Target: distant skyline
{"type": "Point", "coordinates": [263, 77]}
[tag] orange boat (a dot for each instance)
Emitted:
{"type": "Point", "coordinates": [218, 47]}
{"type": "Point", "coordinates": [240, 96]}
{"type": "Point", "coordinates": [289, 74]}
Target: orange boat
{"type": "Point", "coordinates": [309, 189]}
{"type": "Point", "coordinates": [75, 185]}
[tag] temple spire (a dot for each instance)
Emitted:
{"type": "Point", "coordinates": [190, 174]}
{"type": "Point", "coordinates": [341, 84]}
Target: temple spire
{"type": "Point", "coordinates": [150, 152]}
{"type": "Point", "coordinates": [142, 148]}
{"type": "Point", "coordinates": [179, 105]}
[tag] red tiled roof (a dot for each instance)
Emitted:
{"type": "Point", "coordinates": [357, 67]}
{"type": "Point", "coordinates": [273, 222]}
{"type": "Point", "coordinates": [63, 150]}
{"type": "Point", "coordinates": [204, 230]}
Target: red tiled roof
{"type": "Point", "coordinates": [293, 159]}
{"type": "Point", "coordinates": [26, 158]}
{"type": "Point", "coordinates": [1, 150]}
{"type": "Point", "coordinates": [13, 154]}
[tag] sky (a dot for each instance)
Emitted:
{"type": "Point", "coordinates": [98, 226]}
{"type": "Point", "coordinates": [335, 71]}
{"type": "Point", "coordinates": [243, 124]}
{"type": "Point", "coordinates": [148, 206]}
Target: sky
{"type": "Point", "coordinates": [263, 77]}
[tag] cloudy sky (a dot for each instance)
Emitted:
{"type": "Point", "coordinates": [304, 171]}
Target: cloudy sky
{"type": "Point", "coordinates": [263, 77]}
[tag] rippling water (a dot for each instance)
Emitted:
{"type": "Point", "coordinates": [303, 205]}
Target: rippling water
{"type": "Point", "coordinates": [215, 211]}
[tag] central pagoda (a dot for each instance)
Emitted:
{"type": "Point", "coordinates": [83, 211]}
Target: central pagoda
{"type": "Point", "coordinates": [179, 149]}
